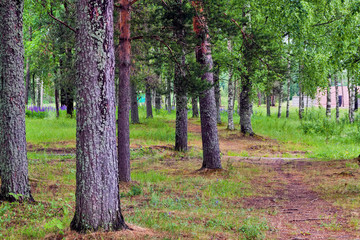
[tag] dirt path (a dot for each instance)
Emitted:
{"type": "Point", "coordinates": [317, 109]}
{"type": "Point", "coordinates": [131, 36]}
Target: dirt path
{"type": "Point", "coordinates": [295, 211]}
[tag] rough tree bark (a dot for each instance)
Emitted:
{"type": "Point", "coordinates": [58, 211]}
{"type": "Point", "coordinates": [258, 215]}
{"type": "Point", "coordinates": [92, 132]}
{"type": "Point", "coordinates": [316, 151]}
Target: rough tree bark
{"type": "Point", "coordinates": [124, 91]}
{"type": "Point", "coordinates": [231, 102]}
{"type": "Point", "coordinates": [13, 159]}
{"type": "Point", "coordinates": [97, 190]}
{"type": "Point", "coordinates": [328, 99]}
{"type": "Point", "coordinates": [217, 93]}
{"type": "Point", "coordinates": [148, 101]}
{"type": "Point", "coordinates": [134, 104]}
{"type": "Point", "coordinates": [230, 95]}
{"type": "Point", "coordinates": [336, 96]}
{"type": "Point", "coordinates": [245, 103]}
{"type": "Point", "coordinates": [209, 133]}
{"type": "Point", "coordinates": [157, 101]}
{"type": "Point", "coordinates": [180, 88]}
{"type": "Point", "coordinates": [268, 105]}
{"type": "Point", "coordinates": [195, 108]}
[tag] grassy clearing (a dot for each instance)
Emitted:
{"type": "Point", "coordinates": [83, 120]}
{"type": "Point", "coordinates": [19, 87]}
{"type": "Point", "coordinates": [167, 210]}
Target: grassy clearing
{"type": "Point", "coordinates": [167, 194]}
{"type": "Point", "coordinates": [315, 135]}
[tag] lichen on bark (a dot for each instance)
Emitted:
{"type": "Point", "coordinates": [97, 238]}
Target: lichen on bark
{"type": "Point", "coordinates": [13, 157]}
{"type": "Point", "coordinates": [97, 190]}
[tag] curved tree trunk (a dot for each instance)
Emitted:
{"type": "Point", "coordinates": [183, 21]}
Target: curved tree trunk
{"type": "Point", "coordinates": [97, 189]}
{"type": "Point", "coordinates": [328, 99]}
{"type": "Point", "coordinates": [134, 104]}
{"type": "Point", "coordinates": [209, 133]}
{"type": "Point", "coordinates": [13, 159]}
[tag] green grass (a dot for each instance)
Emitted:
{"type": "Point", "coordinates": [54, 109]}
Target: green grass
{"type": "Point", "coordinates": [167, 194]}
{"type": "Point", "coordinates": [329, 140]}
{"type": "Point", "coordinates": [50, 130]}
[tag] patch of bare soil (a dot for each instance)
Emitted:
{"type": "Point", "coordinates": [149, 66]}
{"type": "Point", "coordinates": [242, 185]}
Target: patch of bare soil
{"type": "Point", "coordinates": [297, 212]}
{"type": "Point", "coordinates": [235, 142]}
{"type": "Point", "coordinates": [52, 148]}
{"type": "Point", "coordinates": [134, 232]}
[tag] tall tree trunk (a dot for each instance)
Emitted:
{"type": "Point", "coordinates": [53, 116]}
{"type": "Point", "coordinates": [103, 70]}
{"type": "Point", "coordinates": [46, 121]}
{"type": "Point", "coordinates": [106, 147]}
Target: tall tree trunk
{"type": "Point", "coordinates": [209, 133]}
{"type": "Point", "coordinates": [13, 159]}
{"type": "Point", "coordinates": [230, 96]}
{"type": "Point", "coordinates": [217, 93]}
{"type": "Point", "coordinates": [195, 109]}
{"type": "Point", "coordinates": [40, 92]}
{"type": "Point", "coordinates": [343, 93]}
{"type": "Point", "coordinates": [273, 100]}
{"type": "Point", "coordinates": [301, 101]}
{"type": "Point", "coordinates": [33, 91]}
{"type": "Point", "coordinates": [134, 104]}
{"type": "Point", "coordinates": [246, 106]}
{"type": "Point", "coordinates": [259, 98]}
{"type": "Point", "coordinates": [280, 100]}
{"type": "Point", "coordinates": [235, 95]}
{"type": "Point", "coordinates": [180, 88]}
{"type": "Point", "coordinates": [157, 101]}
{"type": "Point", "coordinates": [57, 101]}
{"type": "Point", "coordinates": [288, 90]}
{"type": "Point", "coordinates": [97, 189]}
{"type": "Point", "coordinates": [148, 100]}
{"type": "Point", "coordinates": [124, 92]}
{"type": "Point", "coordinates": [231, 102]}
{"type": "Point", "coordinates": [27, 84]}
{"type": "Point", "coordinates": [245, 103]}
{"type": "Point", "coordinates": [351, 99]}
{"type": "Point", "coordinates": [168, 95]}
{"type": "Point", "coordinates": [268, 105]}
{"type": "Point", "coordinates": [328, 99]}
{"type": "Point", "coordinates": [336, 96]}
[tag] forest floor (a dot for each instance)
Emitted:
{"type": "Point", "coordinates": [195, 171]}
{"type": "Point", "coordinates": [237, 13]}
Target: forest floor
{"type": "Point", "coordinates": [267, 190]}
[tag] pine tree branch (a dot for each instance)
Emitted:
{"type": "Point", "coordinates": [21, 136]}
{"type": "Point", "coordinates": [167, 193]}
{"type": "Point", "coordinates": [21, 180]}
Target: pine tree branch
{"type": "Point", "coordinates": [328, 22]}
{"type": "Point", "coordinates": [61, 22]}
{"type": "Point", "coordinates": [56, 19]}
